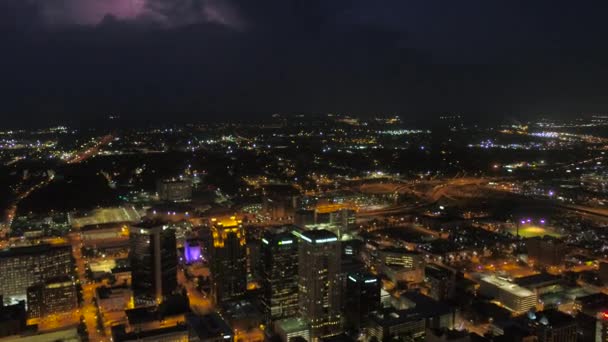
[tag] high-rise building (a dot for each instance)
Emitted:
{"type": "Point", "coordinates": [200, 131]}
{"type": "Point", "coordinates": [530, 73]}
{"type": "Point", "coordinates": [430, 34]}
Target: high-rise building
{"type": "Point", "coordinates": [279, 272]}
{"type": "Point", "coordinates": [279, 201]}
{"type": "Point", "coordinates": [361, 298]}
{"type": "Point", "coordinates": [175, 189]}
{"type": "Point", "coordinates": [319, 283]}
{"type": "Point", "coordinates": [153, 259]}
{"type": "Point", "coordinates": [440, 281]}
{"type": "Point", "coordinates": [53, 296]}
{"type": "Point", "coordinates": [546, 250]}
{"type": "Point", "coordinates": [22, 267]}
{"type": "Point", "coordinates": [228, 259]}
{"type": "Point", "coordinates": [603, 272]}
{"type": "Point", "coordinates": [303, 218]}
{"type": "Point", "coordinates": [344, 221]}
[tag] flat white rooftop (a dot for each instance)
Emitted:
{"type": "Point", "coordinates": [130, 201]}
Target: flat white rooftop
{"type": "Point", "coordinates": [505, 285]}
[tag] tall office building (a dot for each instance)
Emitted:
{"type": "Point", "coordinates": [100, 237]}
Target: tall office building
{"type": "Point", "coordinates": [319, 283]}
{"type": "Point", "coordinates": [153, 259]}
{"type": "Point", "coordinates": [53, 296]}
{"type": "Point", "coordinates": [228, 259]}
{"type": "Point", "coordinates": [343, 220]}
{"type": "Point", "coordinates": [361, 298]}
{"type": "Point", "coordinates": [279, 271]}
{"type": "Point", "coordinates": [22, 267]}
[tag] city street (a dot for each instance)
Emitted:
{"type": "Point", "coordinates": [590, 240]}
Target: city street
{"type": "Point", "coordinates": [88, 309]}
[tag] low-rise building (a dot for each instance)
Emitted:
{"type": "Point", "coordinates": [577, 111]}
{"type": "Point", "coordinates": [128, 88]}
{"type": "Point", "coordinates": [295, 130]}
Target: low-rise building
{"type": "Point", "coordinates": [112, 299]}
{"type": "Point", "coordinates": [291, 328]}
{"type": "Point", "coordinates": [512, 296]}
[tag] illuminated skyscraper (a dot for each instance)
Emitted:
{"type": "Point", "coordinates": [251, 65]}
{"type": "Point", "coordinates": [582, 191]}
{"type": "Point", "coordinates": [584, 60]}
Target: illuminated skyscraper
{"type": "Point", "coordinates": [279, 271]}
{"type": "Point", "coordinates": [228, 259]}
{"type": "Point", "coordinates": [153, 258]}
{"type": "Point", "coordinates": [318, 282]}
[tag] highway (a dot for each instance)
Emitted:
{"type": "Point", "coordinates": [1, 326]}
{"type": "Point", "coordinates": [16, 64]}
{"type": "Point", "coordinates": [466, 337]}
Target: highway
{"type": "Point", "coordinates": [91, 151]}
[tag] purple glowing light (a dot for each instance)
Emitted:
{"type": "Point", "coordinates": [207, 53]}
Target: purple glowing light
{"type": "Point", "coordinates": [542, 221]}
{"type": "Point", "coordinates": [192, 252]}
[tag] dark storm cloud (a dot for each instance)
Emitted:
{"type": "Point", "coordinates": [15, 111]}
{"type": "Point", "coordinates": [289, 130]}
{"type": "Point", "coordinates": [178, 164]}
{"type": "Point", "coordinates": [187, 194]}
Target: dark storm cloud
{"type": "Point", "coordinates": [147, 58]}
{"type": "Point", "coordinates": [170, 13]}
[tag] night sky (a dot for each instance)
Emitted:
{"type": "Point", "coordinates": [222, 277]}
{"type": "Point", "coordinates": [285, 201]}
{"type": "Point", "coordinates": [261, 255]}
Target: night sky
{"type": "Point", "coordinates": [213, 59]}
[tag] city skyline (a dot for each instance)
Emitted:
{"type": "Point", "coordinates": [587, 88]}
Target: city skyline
{"type": "Point", "coordinates": [303, 171]}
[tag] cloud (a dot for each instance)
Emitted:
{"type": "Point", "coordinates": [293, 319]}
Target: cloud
{"type": "Point", "coordinates": [186, 12]}
{"type": "Point", "coordinates": [169, 13]}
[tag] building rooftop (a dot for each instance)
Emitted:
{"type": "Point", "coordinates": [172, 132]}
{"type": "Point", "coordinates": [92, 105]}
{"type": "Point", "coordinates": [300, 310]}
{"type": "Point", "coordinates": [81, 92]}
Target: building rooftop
{"type": "Point", "coordinates": [104, 292]}
{"type": "Point", "coordinates": [171, 206]}
{"type": "Point", "coordinates": [391, 316]}
{"type": "Point", "coordinates": [365, 277]}
{"type": "Point", "coordinates": [119, 334]}
{"type": "Point", "coordinates": [448, 334]}
{"type": "Point", "coordinates": [238, 309]}
{"type": "Point", "coordinates": [29, 250]}
{"type": "Point", "coordinates": [12, 312]}
{"type": "Point", "coordinates": [226, 221]}
{"type": "Point", "coordinates": [338, 338]}
{"type": "Point", "coordinates": [438, 271]}
{"type": "Point", "coordinates": [537, 280]}
{"type": "Point", "coordinates": [149, 224]}
{"type": "Point", "coordinates": [507, 286]}
{"type": "Point", "coordinates": [316, 236]}
{"type": "Point", "coordinates": [101, 226]}
{"type": "Point", "coordinates": [209, 326]}
{"type": "Point", "coordinates": [290, 325]}
{"type": "Point", "coordinates": [554, 318]}
{"type": "Point", "coordinates": [426, 306]}
{"type": "Point", "coordinates": [397, 250]}
{"type": "Point", "coordinates": [141, 315]}
{"type": "Point", "coordinates": [596, 299]}
{"type": "Point", "coordinates": [282, 238]}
